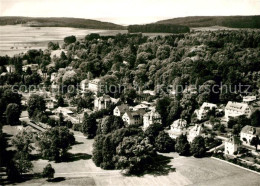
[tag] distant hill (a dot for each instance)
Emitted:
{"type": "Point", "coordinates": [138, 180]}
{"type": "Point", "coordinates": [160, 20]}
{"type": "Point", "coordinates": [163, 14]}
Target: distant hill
{"type": "Point", "coordinates": [60, 22]}
{"type": "Point", "coordinates": [207, 21]}
{"type": "Point", "coordinates": [158, 28]}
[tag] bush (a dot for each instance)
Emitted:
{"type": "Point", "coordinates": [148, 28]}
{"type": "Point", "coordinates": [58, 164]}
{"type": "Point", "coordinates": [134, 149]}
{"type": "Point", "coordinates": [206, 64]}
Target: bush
{"type": "Point", "coordinates": [48, 172]}
{"type": "Point", "coordinates": [77, 127]}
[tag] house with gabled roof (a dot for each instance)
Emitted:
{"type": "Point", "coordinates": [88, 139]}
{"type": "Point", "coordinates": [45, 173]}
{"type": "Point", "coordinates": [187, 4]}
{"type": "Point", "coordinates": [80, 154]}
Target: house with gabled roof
{"type": "Point", "coordinates": [202, 112]}
{"type": "Point", "coordinates": [231, 145]}
{"type": "Point", "coordinates": [151, 118]}
{"type": "Point", "coordinates": [120, 110]}
{"type": "Point", "coordinates": [195, 131]}
{"type": "Point", "coordinates": [133, 117]}
{"type": "Point", "coordinates": [178, 127]}
{"type": "Point", "coordinates": [247, 133]}
{"type": "Point", "coordinates": [235, 109]}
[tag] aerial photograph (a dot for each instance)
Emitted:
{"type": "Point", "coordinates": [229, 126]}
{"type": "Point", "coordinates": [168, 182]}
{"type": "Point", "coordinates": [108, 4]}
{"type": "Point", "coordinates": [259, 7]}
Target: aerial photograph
{"type": "Point", "coordinates": [130, 92]}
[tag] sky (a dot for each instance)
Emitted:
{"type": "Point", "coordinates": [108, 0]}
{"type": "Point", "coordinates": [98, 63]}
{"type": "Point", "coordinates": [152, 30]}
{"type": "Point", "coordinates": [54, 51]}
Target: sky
{"type": "Point", "coordinates": [128, 11]}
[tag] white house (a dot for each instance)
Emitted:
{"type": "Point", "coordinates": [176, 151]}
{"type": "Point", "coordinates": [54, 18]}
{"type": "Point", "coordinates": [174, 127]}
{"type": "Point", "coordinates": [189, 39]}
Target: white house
{"type": "Point", "coordinates": [195, 131]}
{"type": "Point", "coordinates": [120, 110]}
{"type": "Point", "coordinates": [50, 103]}
{"type": "Point", "coordinates": [10, 68]}
{"type": "Point", "coordinates": [104, 102]}
{"type": "Point", "coordinates": [204, 109]}
{"type": "Point", "coordinates": [178, 127]}
{"type": "Point", "coordinates": [235, 109]}
{"type": "Point", "coordinates": [133, 117]}
{"type": "Point", "coordinates": [231, 146]}
{"type": "Point", "coordinates": [247, 133]}
{"type": "Point", "coordinates": [151, 118]}
{"type": "Point", "coordinates": [249, 99]}
{"type": "Point", "coordinates": [94, 85]}
{"type": "Point", "coordinates": [33, 67]}
{"type": "Point", "coordinates": [54, 75]}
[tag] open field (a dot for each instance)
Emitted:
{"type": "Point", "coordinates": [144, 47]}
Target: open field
{"type": "Point", "coordinates": [80, 170]}
{"type": "Point", "coordinates": [23, 38]}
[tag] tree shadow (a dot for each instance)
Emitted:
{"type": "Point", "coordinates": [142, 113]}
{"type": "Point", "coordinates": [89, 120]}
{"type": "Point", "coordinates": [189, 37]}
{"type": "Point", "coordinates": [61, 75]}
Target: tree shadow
{"type": "Point", "coordinates": [76, 157]}
{"type": "Point", "coordinates": [55, 180]}
{"type": "Point", "coordinates": [159, 167]}
{"type": "Point", "coordinates": [78, 143]}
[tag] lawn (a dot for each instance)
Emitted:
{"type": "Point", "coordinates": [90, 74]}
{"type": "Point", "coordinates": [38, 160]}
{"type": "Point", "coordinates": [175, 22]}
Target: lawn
{"type": "Point", "coordinates": [81, 170]}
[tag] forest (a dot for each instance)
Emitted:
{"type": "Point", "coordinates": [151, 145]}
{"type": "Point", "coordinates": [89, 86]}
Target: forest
{"type": "Point", "coordinates": [158, 28]}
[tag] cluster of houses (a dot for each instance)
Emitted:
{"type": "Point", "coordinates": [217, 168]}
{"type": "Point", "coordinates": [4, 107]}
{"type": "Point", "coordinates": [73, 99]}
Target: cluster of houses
{"type": "Point", "coordinates": [246, 135]}
{"type": "Point", "coordinates": [145, 113]}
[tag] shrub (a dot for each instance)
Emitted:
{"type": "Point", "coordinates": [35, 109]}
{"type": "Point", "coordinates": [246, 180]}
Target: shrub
{"type": "Point", "coordinates": [48, 172]}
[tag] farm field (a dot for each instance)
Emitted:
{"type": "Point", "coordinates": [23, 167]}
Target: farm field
{"type": "Point", "coordinates": [81, 170]}
{"type": "Point", "coordinates": [15, 39]}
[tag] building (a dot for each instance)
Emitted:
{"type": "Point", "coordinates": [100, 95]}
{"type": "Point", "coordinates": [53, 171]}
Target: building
{"type": "Point", "coordinates": [94, 85]}
{"type": "Point", "coordinates": [151, 118]}
{"type": "Point", "coordinates": [68, 114]}
{"type": "Point", "coordinates": [43, 74]}
{"type": "Point", "coordinates": [202, 112]}
{"type": "Point", "coordinates": [120, 110]}
{"type": "Point", "coordinates": [10, 68]}
{"type": "Point", "coordinates": [247, 133]}
{"type": "Point", "coordinates": [195, 131]}
{"type": "Point", "coordinates": [178, 127]}
{"type": "Point", "coordinates": [84, 85]}
{"type": "Point", "coordinates": [33, 67]}
{"type": "Point", "coordinates": [249, 99]}
{"type": "Point", "coordinates": [54, 76]}
{"type": "Point", "coordinates": [231, 146]}
{"type": "Point", "coordinates": [133, 117]}
{"type": "Point", "coordinates": [140, 107]}
{"type": "Point", "coordinates": [50, 103]}
{"type": "Point", "coordinates": [104, 102]}
{"type": "Point", "coordinates": [235, 109]}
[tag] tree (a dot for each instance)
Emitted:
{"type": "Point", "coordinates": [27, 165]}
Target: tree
{"type": "Point", "coordinates": [97, 150]}
{"type": "Point", "coordinates": [135, 154]}
{"type": "Point", "coordinates": [255, 118]}
{"type": "Point", "coordinates": [23, 142]}
{"type": "Point", "coordinates": [153, 131]}
{"type": "Point", "coordinates": [110, 123]}
{"type": "Point", "coordinates": [89, 126]}
{"type": "Point", "coordinates": [255, 142]}
{"type": "Point", "coordinates": [164, 143]}
{"type": "Point", "coordinates": [36, 104]}
{"type": "Point", "coordinates": [198, 148]}
{"type": "Point", "coordinates": [69, 39]}
{"type": "Point", "coordinates": [12, 172]}
{"type": "Point", "coordinates": [53, 46]}
{"type": "Point", "coordinates": [162, 108]}
{"type": "Point", "coordinates": [55, 142]}
{"type": "Point", "coordinates": [13, 112]}
{"type": "Point", "coordinates": [23, 163]}
{"type": "Point", "coordinates": [182, 145]}
{"type": "Point", "coordinates": [60, 101]}
{"type": "Point", "coordinates": [48, 172]}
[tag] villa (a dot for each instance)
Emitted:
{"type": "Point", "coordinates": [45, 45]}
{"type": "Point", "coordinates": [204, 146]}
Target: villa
{"type": "Point", "coordinates": [178, 127]}
{"type": "Point", "coordinates": [195, 131]}
{"type": "Point", "coordinates": [231, 146]}
{"type": "Point", "coordinates": [235, 109]}
{"type": "Point", "coordinates": [247, 133]}
{"type": "Point", "coordinates": [94, 85]}
{"type": "Point", "coordinates": [133, 117]}
{"type": "Point", "coordinates": [151, 118]}
{"type": "Point", "coordinates": [120, 110]}
{"type": "Point", "coordinates": [204, 109]}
